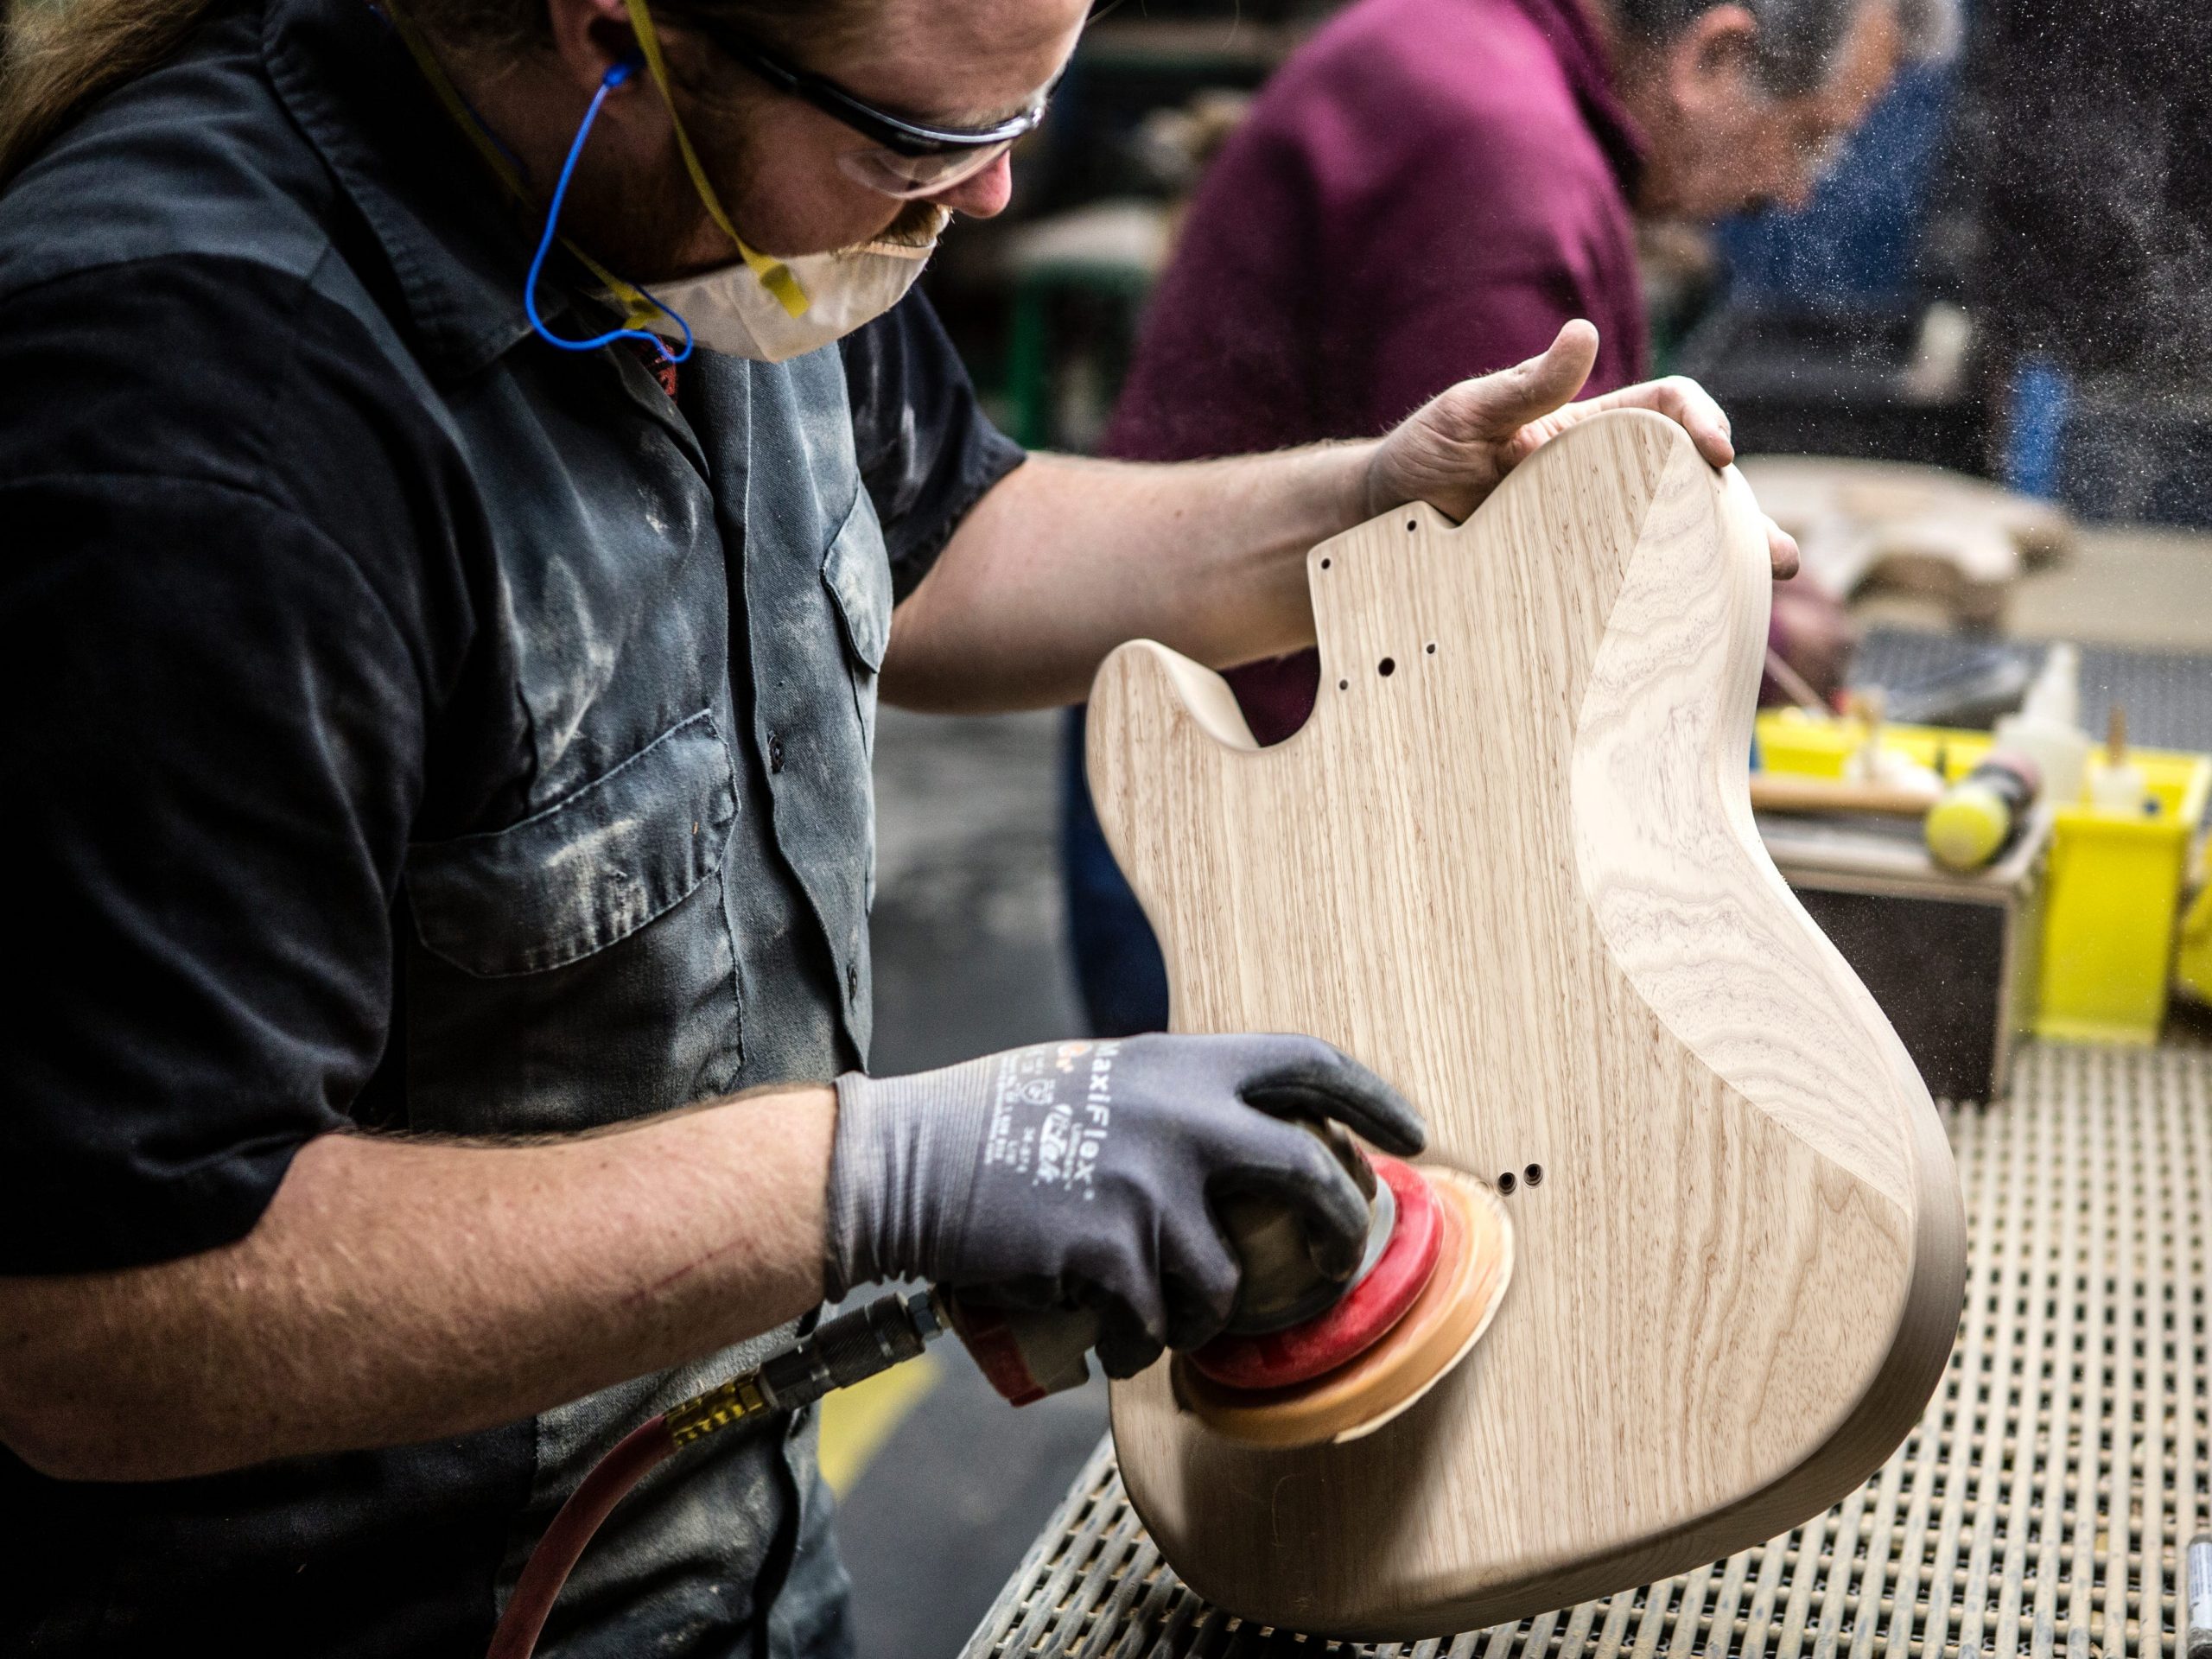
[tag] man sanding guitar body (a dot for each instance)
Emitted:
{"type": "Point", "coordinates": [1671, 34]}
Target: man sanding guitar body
{"type": "Point", "coordinates": [471, 467]}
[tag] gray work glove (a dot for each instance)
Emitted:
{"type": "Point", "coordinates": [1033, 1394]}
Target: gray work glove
{"type": "Point", "coordinates": [1083, 1174]}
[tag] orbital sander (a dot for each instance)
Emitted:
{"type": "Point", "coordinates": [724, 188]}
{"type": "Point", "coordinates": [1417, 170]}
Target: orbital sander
{"type": "Point", "coordinates": [1439, 1255]}
{"type": "Point", "coordinates": [1306, 1358]}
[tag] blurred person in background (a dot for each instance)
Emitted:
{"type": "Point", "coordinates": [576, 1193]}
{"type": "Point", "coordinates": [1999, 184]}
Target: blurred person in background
{"type": "Point", "coordinates": [2081, 154]}
{"type": "Point", "coordinates": [1428, 190]}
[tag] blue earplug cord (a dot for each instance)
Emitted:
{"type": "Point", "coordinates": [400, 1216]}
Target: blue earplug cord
{"type": "Point", "coordinates": [614, 77]}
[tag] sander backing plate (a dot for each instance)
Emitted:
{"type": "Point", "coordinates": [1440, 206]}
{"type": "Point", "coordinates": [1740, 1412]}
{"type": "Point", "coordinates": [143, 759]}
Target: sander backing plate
{"type": "Point", "coordinates": [1474, 1266]}
{"type": "Point", "coordinates": [1375, 1302]}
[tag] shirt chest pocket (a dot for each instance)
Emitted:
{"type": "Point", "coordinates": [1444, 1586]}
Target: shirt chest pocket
{"type": "Point", "coordinates": [586, 872]}
{"type": "Point", "coordinates": [857, 573]}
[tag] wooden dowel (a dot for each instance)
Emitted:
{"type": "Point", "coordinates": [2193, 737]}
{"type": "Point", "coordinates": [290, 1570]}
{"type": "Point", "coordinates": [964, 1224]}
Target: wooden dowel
{"type": "Point", "coordinates": [1778, 792]}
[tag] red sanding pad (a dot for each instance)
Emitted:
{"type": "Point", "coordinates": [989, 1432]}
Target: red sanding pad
{"type": "Point", "coordinates": [1359, 1321]}
{"type": "Point", "coordinates": [1439, 1330]}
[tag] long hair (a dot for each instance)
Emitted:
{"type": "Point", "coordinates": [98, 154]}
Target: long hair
{"type": "Point", "coordinates": [57, 55]}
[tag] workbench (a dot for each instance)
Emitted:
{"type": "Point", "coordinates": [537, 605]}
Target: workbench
{"type": "Point", "coordinates": [2122, 585]}
{"type": "Point", "coordinates": [2041, 1507]}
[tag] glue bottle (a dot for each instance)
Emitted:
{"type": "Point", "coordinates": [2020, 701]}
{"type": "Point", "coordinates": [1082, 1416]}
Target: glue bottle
{"type": "Point", "coordinates": [2048, 727]}
{"type": "Point", "coordinates": [1873, 761]}
{"type": "Point", "coordinates": [2115, 783]}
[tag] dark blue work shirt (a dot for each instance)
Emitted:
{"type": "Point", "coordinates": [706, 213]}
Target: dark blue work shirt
{"type": "Point", "coordinates": [411, 726]}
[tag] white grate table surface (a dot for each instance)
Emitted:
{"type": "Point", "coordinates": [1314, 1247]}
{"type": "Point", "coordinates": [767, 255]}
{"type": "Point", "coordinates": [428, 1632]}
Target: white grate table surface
{"type": "Point", "coordinates": [2041, 1507]}
{"type": "Point", "coordinates": [2168, 694]}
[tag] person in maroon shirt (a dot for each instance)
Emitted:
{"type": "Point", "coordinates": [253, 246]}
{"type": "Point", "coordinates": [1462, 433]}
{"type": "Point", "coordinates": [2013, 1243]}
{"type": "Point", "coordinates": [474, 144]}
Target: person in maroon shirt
{"type": "Point", "coordinates": [1430, 189]}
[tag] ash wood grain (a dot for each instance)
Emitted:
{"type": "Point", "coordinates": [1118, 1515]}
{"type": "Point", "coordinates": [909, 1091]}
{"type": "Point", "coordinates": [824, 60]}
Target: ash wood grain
{"type": "Point", "coordinates": [1510, 864]}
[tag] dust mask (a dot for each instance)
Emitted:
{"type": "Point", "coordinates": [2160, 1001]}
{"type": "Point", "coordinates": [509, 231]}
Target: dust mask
{"type": "Point", "coordinates": [771, 309]}
{"type": "Point", "coordinates": [759, 308]}
{"type": "Point", "coordinates": [731, 309]}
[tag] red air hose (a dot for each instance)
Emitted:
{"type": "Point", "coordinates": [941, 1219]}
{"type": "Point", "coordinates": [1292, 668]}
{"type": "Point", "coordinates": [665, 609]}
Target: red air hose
{"type": "Point", "coordinates": [550, 1563]}
{"type": "Point", "coordinates": [848, 1349]}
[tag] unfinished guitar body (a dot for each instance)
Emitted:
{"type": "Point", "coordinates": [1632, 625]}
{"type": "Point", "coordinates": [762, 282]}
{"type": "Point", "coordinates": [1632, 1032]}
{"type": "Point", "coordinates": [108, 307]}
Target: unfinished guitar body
{"type": "Point", "coordinates": [1511, 864]}
{"type": "Point", "coordinates": [1962, 541]}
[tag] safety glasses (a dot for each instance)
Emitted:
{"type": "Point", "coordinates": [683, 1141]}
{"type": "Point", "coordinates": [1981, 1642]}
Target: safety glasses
{"type": "Point", "coordinates": [904, 159]}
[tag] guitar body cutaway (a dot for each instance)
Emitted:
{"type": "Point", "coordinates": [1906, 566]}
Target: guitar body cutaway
{"type": "Point", "coordinates": [1511, 864]}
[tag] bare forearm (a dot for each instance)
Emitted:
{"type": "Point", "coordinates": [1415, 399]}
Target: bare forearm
{"type": "Point", "coordinates": [398, 1291]}
{"type": "Point", "coordinates": [1067, 558]}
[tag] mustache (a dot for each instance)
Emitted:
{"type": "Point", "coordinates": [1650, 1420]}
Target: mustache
{"type": "Point", "coordinates": [918, 223]}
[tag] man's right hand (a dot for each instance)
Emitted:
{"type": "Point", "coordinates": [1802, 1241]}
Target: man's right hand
{"type": "Point", "coordinates": [1457, 447]}
{"type": "Point", "coordinates": [1086, 1172]}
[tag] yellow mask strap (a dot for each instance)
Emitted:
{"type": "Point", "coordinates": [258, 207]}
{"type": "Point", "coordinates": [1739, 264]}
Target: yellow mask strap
{"type": "Point", "coordinates": [773, 274]}
{"type": "Point", "coordinates": [640, 312]}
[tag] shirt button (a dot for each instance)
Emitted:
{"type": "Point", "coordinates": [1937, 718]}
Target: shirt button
{"type": "Point", "coordinates": [853, 981]}
{"type": "Point", "coordinates": [775, 753]}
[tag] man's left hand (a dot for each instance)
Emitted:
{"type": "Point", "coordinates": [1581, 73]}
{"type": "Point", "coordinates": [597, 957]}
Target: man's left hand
{"type": "Point", "coordinates": [1456, 448]}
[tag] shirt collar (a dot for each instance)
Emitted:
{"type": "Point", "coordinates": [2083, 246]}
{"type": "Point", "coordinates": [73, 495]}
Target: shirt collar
{"type": "Point", "coordinates": [1572, 33]}
{"type": "Point", "coordinates": [448, 231]}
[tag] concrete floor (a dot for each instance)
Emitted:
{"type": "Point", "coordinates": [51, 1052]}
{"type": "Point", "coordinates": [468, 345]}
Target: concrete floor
{"type": "Point", "coordinates": [970, 956]}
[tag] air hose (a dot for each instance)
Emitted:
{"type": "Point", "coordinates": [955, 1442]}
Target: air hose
{"type": "Point", "coordinates": [848, 1349]}
{"type": "Point", "coordinates": [1024, 1353]}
